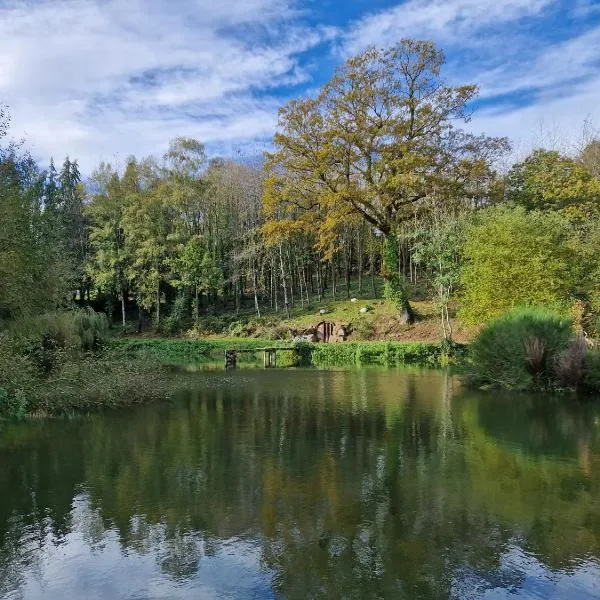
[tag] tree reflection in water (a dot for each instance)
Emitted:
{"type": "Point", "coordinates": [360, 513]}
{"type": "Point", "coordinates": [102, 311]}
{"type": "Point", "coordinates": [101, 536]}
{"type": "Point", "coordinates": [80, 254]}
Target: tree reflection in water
{"type": "Point", "coordinates": [307, 484]}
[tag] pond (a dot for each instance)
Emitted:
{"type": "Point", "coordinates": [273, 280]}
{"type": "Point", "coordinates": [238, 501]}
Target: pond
{"type": "Point", "coordinates": [307, 484]}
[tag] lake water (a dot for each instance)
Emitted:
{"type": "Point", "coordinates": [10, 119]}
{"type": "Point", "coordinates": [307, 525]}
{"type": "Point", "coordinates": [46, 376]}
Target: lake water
{"type": "Point", "coordinates": [307, 484]}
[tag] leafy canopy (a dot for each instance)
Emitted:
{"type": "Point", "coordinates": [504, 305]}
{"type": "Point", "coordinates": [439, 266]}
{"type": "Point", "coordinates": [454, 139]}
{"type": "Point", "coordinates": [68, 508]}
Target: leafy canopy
{"type": "Point", "coordinates": [379, 138]}
{"type": "Point", "coordinates": [516, 258]}
{"type": "Point", "coordinates": [546, 180]}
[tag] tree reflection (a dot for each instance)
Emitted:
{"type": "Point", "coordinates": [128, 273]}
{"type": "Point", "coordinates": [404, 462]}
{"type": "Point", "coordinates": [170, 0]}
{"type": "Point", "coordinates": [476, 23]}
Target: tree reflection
{"type": "Point", "coordinates": [353, 484]}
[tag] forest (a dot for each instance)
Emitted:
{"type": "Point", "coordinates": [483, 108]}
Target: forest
{"type": "Point", "coordinates": [375, 187]}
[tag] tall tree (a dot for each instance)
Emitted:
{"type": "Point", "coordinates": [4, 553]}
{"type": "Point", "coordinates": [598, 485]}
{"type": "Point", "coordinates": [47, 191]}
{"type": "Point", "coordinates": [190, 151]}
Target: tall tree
{"type": "Point", "coordinates": [32, 273]}
{"type": "Point", "coordinates": [515, 257]}
{"type": "Point", "coordinates": [547, 180]}
{"type": "Point", "coordinates": [110, 255]}
{"type": "Point", "coordinates": [74, 223]}
{"type": "Point", "coordinates": [377, 140]}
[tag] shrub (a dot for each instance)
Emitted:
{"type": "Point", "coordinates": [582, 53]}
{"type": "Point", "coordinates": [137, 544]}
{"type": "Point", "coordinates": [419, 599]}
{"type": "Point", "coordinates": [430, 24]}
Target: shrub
{"type": "Point", "coordinates": [13, 405]}
{"type": "Point", "coordinates": [572, 364]}
{"type": "Point", "coordinates": [302, 354]}
{"type": "Point", "coordinates": [175, 321]}
{"type": "Point", "coordinates": [363, 329]}
{"type": "Point", "coordinates": [519, 350]}
{"type": "Point", "coordinates": [592, 375]}
{"type": "Point", "coordinates": [241, 329]}
{"type": "Point", "coordinates": [514, 257]}
{"type": "Point", "coordinates": [80, 329]}
{"type": "Point", "coordinates": [376, 353]}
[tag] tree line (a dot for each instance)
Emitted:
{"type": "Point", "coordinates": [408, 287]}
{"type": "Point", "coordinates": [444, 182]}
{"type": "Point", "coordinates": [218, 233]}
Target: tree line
{"type": "Point", "coordinates": [373, 177]}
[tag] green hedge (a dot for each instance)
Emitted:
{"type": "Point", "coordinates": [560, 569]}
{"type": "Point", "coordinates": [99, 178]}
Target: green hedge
{"type": "Point", "coordinates": [320, 355]}
{"type": "Point", "coordinates": [184, 351]}
{"type": "Point", "coordinates": [379, 353]}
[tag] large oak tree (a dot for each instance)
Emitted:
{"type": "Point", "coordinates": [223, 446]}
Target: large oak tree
{"type": "Point", "coordinates": [378, 141]}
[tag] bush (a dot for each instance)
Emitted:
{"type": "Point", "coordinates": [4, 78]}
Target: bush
{"type": "Point", "coordinates": [572, 364]}
{"type": "Point", "coordinates": [80, 329]}
{"type": "Point", "coordinates": [592, 375]}
{"type": "Point", "coordinates": [13, 405]}
{"type": "Point", "coordinates": [376, 353]}
{"type": "Point", "coordinates": [514, 257]}
{"type": "Point", "coordinates": [363, 329]}
{"type": "Point", "coordinates": [175, 321]}
{"type": "Point", "coordinates": [520, 350]}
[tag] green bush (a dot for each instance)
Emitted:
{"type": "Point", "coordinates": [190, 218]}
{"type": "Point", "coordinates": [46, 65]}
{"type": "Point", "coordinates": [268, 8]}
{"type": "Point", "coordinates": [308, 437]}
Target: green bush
{"type": "Point", "coordinates": [517, 258]}
{"type": "Point", "coordinates": [13, 405]}
{"type": "Point", "coordinates": [80, 329]}
{"type": "Point", "coordinates": [363, 329]}
{"type": "Point", "coordinates": [519, 350]}
{"type": "Point", "coordinates": [592, 380]}
{"type": "Point", "coordinates": [176, 319]}
{"type": "Point", "coordinates": [376, 353]}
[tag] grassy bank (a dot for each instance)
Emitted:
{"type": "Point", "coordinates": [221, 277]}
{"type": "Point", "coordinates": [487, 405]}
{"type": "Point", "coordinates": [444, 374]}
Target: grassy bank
{"type": "Point", "coordinates": [305, 354]}
{"type": "Point", "coordinates": [365, 319]}
{"type": "Point", "coordinates": [83, 383]}
{"type": "Point", "coordinates": [62, 364]}
{"type": "Point", "coordinates": [66, 363]}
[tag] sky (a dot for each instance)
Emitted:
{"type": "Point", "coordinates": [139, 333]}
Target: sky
{"type": "Point", "coordinates": [99, 80]}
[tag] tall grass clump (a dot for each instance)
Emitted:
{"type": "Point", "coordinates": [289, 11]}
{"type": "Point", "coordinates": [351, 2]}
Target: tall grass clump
{"type": "Point", "coordinates": [59, 363]}
{"type": "Point", "coordinates": [79, 329]}
{"type": "Point", "coordinates": [520, 350]}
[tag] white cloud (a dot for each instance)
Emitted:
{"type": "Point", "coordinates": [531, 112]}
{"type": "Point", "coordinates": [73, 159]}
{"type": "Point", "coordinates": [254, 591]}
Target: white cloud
{"type": "Point", "coordinates": [442, 20]}
{"type": "Point", "coordinates": [94, 78]}
{"type": "Point", "coordinates": [551, 67]}
{"type": "Point", "coordinates": [101, 79]}
{"type": "Point", "coordinates": [555, 85]}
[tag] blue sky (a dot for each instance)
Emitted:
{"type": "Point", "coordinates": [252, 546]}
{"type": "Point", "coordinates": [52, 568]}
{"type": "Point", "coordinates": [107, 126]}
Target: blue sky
{"type": "Point", "coordinates": [102, 79]}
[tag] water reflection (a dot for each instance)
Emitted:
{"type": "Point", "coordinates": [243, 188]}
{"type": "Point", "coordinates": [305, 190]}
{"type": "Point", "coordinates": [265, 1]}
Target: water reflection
{"type": "Point", "coordinates": [307, 484]}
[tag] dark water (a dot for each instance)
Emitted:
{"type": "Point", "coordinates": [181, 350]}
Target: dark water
{"type": "Point", "coordinates": [307, 484]}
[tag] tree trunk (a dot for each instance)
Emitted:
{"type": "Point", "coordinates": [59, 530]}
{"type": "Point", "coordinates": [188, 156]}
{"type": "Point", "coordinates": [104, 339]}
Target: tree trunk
{"type": "Point", "coordinates": [359, 258]}
{"type": "Point", "coordinates": [123, 310]}
{"type": "Point", "coordinates": [283, 284]}
{"type": "Point", "coordinates": [255, 286]}
{"type": "Point", "coordinates": [333, 279]}
{"type": "Point", "coordinates": [347, 267]}
{"type": "Point", "coordinates": [319, 288]}
{"type": "Point", "coordinates": [395, 281]}
{"type": "Point", "coordinates": [158, 304]}
{"type": "Point", "coordinates": [373, 274]}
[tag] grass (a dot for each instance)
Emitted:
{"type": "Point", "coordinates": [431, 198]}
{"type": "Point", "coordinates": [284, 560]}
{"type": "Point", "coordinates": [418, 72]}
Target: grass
{"type": "Point", "coordinates": [306, 354]}
{"type": "Point", "coordinates": [176, 351]}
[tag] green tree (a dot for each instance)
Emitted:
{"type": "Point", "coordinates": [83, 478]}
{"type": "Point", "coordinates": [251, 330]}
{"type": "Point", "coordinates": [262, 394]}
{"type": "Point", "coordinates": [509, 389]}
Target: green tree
{"type": "Point", "coordinates": [516, 258]}
{"type": "Point", "coordinates": [188, 270]}
{"type": "Point", "coordinates": [378, 140]}
{"type": "Point", "coordinates": [74, 224]}
{"type": "Point", "coordinates": [439, 249]}
{"type": "Point", "coordinates": [32, 270]}
{"type": "Point", "coordinates": [547, 180]}
{"type": "Point", "coordinates": [110, 255]}
{"type": "Point", "coordinates": [590, 157]}
{"type": "Point", "coordinates": [149, 224]}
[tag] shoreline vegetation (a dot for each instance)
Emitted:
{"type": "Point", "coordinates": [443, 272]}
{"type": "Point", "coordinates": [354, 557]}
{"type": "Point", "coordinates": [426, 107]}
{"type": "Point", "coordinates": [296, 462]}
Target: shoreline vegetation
{"type": "Point", "coordinates": [69, 363]}
{"type": "Point", "coordinates": [375, 215]}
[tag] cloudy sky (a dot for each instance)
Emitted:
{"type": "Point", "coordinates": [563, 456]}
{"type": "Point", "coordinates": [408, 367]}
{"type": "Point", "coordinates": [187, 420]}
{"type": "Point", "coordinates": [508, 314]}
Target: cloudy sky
{"type": "Point", "coordinates": [102, 79]}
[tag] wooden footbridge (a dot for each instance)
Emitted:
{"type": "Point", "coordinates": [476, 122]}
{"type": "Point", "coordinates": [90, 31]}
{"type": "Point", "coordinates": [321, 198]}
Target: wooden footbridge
{"type": "Point", "coordinates": [269, 355]}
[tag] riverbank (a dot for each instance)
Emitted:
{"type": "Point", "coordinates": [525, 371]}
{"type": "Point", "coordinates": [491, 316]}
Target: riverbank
{"type": "Point", "coordinates": [126, 372]}
{"type": "Point", "coordinates": [343, 354]}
